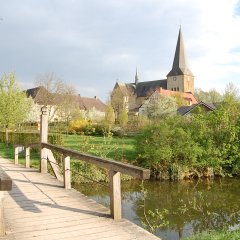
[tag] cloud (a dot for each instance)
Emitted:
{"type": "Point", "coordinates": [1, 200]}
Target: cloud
{"type": "Point", "coordinates": [92, 43]}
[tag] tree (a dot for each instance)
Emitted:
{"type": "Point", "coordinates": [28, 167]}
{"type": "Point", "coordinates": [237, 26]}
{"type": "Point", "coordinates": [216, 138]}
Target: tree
{"type": "Point", "coordinates": [212, 96]}
{"type": "Point", "coordinates": [59, 97]}
{"type": "Point", "coordinates": [180, 101]}
{"type": "Point", "coordinates": [231, 93]}
{"type": "Point", "coordinates": [68, 108]}
{"type": "Point", "coordinates": [123, 118]}
{"type": "Point", "coordinates": [160, 106]}
{"type": "Point", "coordinates": [14, 104]}
{"type": "Point", "coordinates": [109, 115]}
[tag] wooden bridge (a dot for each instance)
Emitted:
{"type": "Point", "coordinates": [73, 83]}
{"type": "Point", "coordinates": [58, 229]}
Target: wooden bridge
{"type": "Point", "coordinates": [42, 207]}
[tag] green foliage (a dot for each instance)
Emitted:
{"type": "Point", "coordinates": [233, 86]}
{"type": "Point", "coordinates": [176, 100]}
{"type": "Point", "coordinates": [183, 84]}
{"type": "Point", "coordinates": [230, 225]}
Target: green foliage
{"type": "Point", "coordinates": [198, 143]}
{"type": "Point", "coordinates": [137, 123]}
{"type": "Point", "coordinates": [26, 138]}
{"type": "Point", "coordinates": [14, 105]}
{"type": "Point", "coordinates": [109, 115]}
{"type": "Point", "coordinates": [123, 118]}
{"type": "Point", "coordinates": [166, 143]}
{"type": "Point", "coordinates": [217, 235]}
{"type": "Point", "coordinates": [85, 172]}
{"type": "Point", "coordinates": [212, 96]}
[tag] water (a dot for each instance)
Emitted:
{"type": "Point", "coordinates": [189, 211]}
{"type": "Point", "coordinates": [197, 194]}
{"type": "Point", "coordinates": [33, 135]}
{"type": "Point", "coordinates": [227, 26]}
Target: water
{"type": "Point", "coordinates": [185, 208]}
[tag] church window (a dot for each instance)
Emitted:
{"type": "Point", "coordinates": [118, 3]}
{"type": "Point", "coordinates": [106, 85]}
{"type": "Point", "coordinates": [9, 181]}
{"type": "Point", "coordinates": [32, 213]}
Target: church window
{"type": "Point", "coordinates": [177, 88]}
{"type": "Point", "coordinates": [174, 78]}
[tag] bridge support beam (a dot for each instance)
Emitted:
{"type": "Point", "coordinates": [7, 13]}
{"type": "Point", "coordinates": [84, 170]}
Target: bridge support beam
{"type": "Point", "coordinates": [44, 138]}
{"type": "Point", "coordinates": [115, 195]}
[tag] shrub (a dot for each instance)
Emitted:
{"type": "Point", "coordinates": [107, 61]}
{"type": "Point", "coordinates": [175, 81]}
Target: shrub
{"type": "Point", "coordinates": [78, 126]}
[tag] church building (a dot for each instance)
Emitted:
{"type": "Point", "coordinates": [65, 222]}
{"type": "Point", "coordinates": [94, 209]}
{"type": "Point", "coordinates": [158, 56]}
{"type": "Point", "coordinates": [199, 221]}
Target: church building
{"type": "Point", "coordinates": [179, 80]}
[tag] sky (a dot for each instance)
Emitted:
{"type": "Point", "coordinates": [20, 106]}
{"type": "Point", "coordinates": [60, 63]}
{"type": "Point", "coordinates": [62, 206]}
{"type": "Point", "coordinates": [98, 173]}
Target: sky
{"type": "Point", "coordinates": [92, 44]}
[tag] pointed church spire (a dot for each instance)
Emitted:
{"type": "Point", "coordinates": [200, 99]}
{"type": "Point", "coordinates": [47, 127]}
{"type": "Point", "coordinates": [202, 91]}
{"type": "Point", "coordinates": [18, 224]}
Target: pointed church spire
{"type": "Point", "coordinates": [136, 78]}
{"type": "Point", "coordinates": [180, 64]}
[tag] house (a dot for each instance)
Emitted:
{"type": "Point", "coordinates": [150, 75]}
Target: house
{"type": "Point", "coordinates": [42, 97]}
{"type": "Point", "coordinates": [196, 108]}
{"type": "Point", "coordinates": [185, 98]}
{"type": "Point", "coordinates": [91, 108]}
{"type": "Point", "coordinates": [180, 79]}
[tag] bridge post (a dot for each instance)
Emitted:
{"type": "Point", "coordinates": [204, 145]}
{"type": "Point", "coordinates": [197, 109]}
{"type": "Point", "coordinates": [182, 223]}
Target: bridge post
{"type": "Point", "coordinates": [44, 138]}
{"type": "Point", "coordinates": [27, 157]}
{"type": "Point", "coordinates": [16, 155]}
{"type": "Point", "coordinates": [115, 195]}
{"type": "Point", "coordinates": [67, 173]}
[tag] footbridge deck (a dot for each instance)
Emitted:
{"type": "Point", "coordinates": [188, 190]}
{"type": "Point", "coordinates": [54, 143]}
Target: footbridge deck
{"type": "Point", "coordinates": [39, 207]}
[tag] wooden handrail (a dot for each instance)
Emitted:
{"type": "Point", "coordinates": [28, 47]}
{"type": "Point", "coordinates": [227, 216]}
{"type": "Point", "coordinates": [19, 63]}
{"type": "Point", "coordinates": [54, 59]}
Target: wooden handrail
{"type": "Point", "coordinates": [124, 168]}
{"type": "Point", "coordinates": [32, 145]}
{"type": "Point", "coordinates": [114, 168]}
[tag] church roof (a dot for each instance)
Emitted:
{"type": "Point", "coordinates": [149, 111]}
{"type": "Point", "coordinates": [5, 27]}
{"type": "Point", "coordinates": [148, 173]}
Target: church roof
{"type": "Point", "coordinates": [180, 64]}
{"type": "Point", "coordinates": [144, 89]}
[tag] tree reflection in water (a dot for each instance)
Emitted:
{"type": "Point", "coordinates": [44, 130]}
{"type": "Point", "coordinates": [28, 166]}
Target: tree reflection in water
{"type": "Point", "coordinates": [192, 206]}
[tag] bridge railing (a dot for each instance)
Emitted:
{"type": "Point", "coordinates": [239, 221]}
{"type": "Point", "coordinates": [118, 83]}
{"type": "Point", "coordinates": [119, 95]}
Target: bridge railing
{"type": "Point", "coordinates": [5, 185]}
{"type": "Point", "coordinates": [114, 168]}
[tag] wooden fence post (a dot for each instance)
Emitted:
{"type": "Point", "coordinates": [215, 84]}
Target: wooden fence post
{"type": "Point", "coordinates": [115, 195]}
{"type": "Point", "coordinates": [16, 155]}
{"type": "Point", "coordinates": [44, 138]}
{"type": "Point", "coordinates": [67, 173]}
{"type": "Point", "coordinates": [27, 157]}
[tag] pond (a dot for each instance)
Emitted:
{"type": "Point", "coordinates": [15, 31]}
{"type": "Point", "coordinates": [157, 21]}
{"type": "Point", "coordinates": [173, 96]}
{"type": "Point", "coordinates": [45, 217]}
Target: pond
{"type": "Point", "coordinates": [185, 208]}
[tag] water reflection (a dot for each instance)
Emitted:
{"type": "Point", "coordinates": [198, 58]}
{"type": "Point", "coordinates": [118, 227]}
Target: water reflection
{"type": "Point", "coordinates": [193, 206]}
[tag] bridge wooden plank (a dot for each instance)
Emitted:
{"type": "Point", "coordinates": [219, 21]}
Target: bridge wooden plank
{"type": "Point", "coordinates": [38, 207]}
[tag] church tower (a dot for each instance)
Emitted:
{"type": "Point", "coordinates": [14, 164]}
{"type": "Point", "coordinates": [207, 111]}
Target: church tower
{"type": "Point", "coordinates": [180, 78]}
{"type": "Point", "coordinates": [136, 78]}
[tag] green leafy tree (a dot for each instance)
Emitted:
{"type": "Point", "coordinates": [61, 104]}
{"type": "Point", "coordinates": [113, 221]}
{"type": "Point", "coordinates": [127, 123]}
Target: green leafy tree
{"type": "Point", "coordinates": [231, 93]}
{"type": "Point", "coordinates": [123, 118]}
{"type": "Point", "coordinates": [109, 115]}
{"type": "Point", "coordinates": [14, 105]}
{"type": "Point", "coordinates": [211, 96]}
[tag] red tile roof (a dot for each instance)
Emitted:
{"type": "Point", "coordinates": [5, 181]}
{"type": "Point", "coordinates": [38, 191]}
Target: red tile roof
{"type": "Point", "coordinates": [188, 96]}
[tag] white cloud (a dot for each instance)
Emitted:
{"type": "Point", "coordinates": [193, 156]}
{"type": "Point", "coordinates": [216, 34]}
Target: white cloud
{"type": "Point", "coordinates": [92, 43]}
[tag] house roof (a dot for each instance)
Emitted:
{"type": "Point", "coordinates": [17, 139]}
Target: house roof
{"type": "Point", "coordinates": [180, 64]}
{"type": "Point", "coordinates": [184, 110]}
{"type": "Point", "coordinates": [41, 95]}
{"type": "Point", "coordinates": [186, 95]}
{"type": "Point", "coordinates": [86, 104]}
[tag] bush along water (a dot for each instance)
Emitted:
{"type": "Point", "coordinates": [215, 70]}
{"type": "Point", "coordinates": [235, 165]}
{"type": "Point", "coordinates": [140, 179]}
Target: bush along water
{"type": "Point", "coordinates": [200, 145]}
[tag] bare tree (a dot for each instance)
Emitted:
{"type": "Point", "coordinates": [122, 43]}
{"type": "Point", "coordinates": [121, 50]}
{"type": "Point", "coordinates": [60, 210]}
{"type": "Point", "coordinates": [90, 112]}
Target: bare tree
{"type": "Point", "coordinates": [58, 96]}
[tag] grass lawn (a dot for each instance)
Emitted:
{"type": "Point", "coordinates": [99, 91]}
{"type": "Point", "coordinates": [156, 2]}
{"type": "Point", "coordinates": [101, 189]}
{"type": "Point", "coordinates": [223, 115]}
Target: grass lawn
{"type": "Point", "coordinates": [8, 152]}
{"type": "Point", "coordinates": [221, 235]}
{"type": "Point", "coordinates": [114, 147]}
